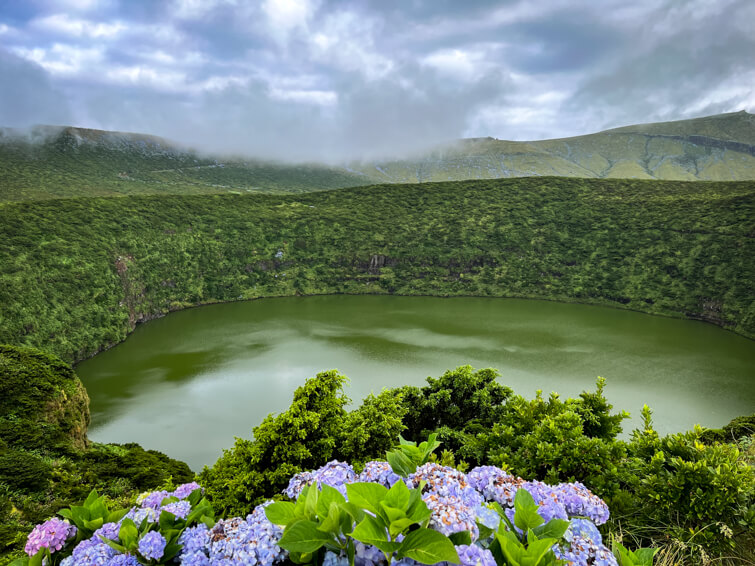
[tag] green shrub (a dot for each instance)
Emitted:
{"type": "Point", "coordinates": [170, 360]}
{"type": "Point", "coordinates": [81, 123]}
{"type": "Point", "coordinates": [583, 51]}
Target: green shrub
{"type": "Point", "coordinates": [702, 495]}
{"type": "Point", "coordinates": [21, 470]}
{"type": "Point", "coordinates": [304, 437]}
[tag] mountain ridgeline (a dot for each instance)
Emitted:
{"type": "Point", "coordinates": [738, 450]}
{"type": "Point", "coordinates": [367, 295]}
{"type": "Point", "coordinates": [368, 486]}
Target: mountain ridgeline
{"type": "Point", "coordinates": [76, 275]}
{"type": "Point", "coordinates": [56, 162]}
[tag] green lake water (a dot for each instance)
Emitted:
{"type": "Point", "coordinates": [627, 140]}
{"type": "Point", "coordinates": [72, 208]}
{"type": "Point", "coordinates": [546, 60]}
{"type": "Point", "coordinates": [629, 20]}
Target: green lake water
{"type": "Point", "coordinates": [188, 383]}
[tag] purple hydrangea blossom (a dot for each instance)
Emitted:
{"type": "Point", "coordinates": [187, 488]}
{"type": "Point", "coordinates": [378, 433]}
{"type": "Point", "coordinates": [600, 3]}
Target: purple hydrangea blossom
{"type": "Point", "coordinates": [580, 501]}
{"type": "Point", "coordinates": [333, 559]}
{"type": "Point", "coordinates": [180, 509]}
{"type": "Point", "coordinates": [194, 539]}
{"type": "Point", "coordinates": [335, 474]}
{"type": "Point", "coordinates": [91, 552]}
{"type": "Point", "coordinates": [473, 555]}
{"type": "Point", "coordinates": [197, 558]}
{"type": "Point", "coordinates": [185, 490]}
{"type": "Point", "coordinates": [52, 534]}
{"type": "Point", "coordinates": [450, 515]}
{"type": "Point", "coordinates": [138, 515]}
{"type": "Point", "coordinates": [495, 485]}
{"type": "Point", "coordinates": [545, 496]}
{"type": "Point", "coordinates": [368, 555]}
{"type": "Point", "coordinates": [445, 482]}
{"type": "Point", "coordinates": [250, 541]}
{"type": "Point", "coordinates": [152, 545]}
{"type": "Point", "coordinates": [122, 560]}
{"type": "Point", "coordinates": [583, 552]}
{"type": "Point", "coordinates": [585, 529]}
{"type": "Point", "coordinates": [152, 499]}
{"type": "Point", "coordinates": [379, 472]}
{"type": "Point", "coordinates": [108, 530]}
{"type": "Point", "coordinates": [488, 517]}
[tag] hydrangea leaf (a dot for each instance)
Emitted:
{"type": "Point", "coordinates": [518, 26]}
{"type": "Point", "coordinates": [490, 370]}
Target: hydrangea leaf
{"type": "Point", "coordinates": [428, 547]}
{"type": "Point", "coordinates": [555, 528]}
{"type": "Point", "coordinates": [280, 513]}
{"type": "Point", "coordinates": [367, 495]}
{"type": "Point", "coordinates": [303, 536]}
{"type": "Point", "coordinates": [328, 495]}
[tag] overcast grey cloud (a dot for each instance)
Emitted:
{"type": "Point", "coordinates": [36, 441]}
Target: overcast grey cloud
{"type": "Point", "coordinates": [332, 79]}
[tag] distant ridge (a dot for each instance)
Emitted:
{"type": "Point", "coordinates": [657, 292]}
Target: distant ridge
{"type": "Point", "coordinates": [64, 161]}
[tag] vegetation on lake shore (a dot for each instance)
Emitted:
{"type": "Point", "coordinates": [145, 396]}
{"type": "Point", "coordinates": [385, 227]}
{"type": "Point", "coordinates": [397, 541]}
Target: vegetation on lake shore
{"type": "Point", "coordinates": [46, 460]}
{"type": "Point", "coordinates": [76, 275]}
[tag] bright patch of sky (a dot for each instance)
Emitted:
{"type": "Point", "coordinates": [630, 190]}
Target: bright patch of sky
{"type": "Point", "coordinates": [337, 79]}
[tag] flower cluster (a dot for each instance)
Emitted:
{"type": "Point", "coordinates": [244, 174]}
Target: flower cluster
{"type": "Point", "coordinates": [581, 502]}
{"type": "Point", "coordinates": [51, 534]}
{"type": "Point", "coordinates": [584, 552]}
{"type": "Point", "coordinates": [458, 502]}
{"type": "Point", "coordinates": [335, 474]}
{"type": "Point", "coordinates": [250, 541]}
{"type": "Point", "coordinates": [378, 472]}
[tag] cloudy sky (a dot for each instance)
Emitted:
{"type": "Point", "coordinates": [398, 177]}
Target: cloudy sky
{"type": "Point", "coordinates": [325, 79]}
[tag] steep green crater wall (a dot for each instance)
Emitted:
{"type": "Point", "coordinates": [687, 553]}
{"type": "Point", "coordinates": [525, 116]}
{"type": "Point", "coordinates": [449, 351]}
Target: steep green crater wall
{"type": "Point", "coordinates": [76, 275]}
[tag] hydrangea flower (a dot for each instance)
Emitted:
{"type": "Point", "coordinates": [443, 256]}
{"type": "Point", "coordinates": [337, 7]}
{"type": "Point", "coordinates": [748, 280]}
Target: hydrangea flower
{"type": "Point", "coordinates": [152, 499]}
{"type": "Point", "coordinates": [488, 517]}
{"type": "Point", "coordinates": [185, 490]}
{"type": "Point", "coordinates": [152, 545]}
{"type": "Point", "coordinates": [580, 501]}
{"type": "Point", "coordinates": [583, 552]}
{"type": "Point", "coordinates": [108, 530]}
{"type": "Point", "coordinates": [91, 552]}
{"type": "Point", "coordinates": [194, 539]}
{"type": "Point", "coordinates": [250, 541]}
{"type": "Point", "coordinates": [495, 485]}
{"type": "Point", "coordinates": [335, 474]}
{"type": "Point", "coordinates": [333, 559]}
{"type": "Point", "coordinates": [473, 555]}
{"type": "Point", "coordinates": [546, 497]}
{"type": "Point", "coordinates": [450, 515]}
{"type": "Point", "coordinates": [585, 529]}
{"type": "Point", "coordinates": [378, 472]}
{"type": "Point", "coordinates": [368, 555]}
{"type": "Point", "coordinates": [122, 560]}
{"type": "Point", "coordinates": [180, 509]}
{"type": "Point", "coordinates": [52, 534]}
{"type": "Point", "coordinates": [445, 481]}
{"type": "Point", "coordinates": [138, 515]}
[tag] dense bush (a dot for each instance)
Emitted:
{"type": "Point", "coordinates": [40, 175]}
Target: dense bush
{"type": "Point", "coordinates": [702, 495]}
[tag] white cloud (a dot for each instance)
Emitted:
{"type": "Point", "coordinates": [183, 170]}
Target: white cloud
{"type": "Point", "coordinates": [346, 41]}
{"type": "Point", "coordinates": [285, 16]}
{"type": "Point", "coordinates": [62, 59]}
{"type": "Point", "coordinates": [66, 25]}
{"type": "Point", "coordinates": [316, 97]}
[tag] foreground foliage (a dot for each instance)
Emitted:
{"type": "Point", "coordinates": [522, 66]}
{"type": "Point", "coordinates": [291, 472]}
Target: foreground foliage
{"type": "Point", "coordinates": [76, 275]}
{"type": "Point", "coordinates": [405, 514]}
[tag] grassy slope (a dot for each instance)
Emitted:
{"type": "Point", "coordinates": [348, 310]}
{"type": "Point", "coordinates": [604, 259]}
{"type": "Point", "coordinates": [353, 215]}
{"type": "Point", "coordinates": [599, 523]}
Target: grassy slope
{"type": "Point", "coordinates": [73, 162]}
{"type": "Point", "coordinates": [718, 148]}
{"type": "Point", "coordinates": [77, 274]}
{"type": "Point", "coordinates": [70, 162]}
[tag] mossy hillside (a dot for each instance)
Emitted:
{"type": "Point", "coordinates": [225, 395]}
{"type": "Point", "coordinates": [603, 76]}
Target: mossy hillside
{"type": "Point", "coordinates": [46, 461]}
{"type": "Point", "coordinates": [50, 162]}
{"type": "Point", "coordinates": [42, 402]}
{"type": "Point", "coordinates": [76, 275]}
